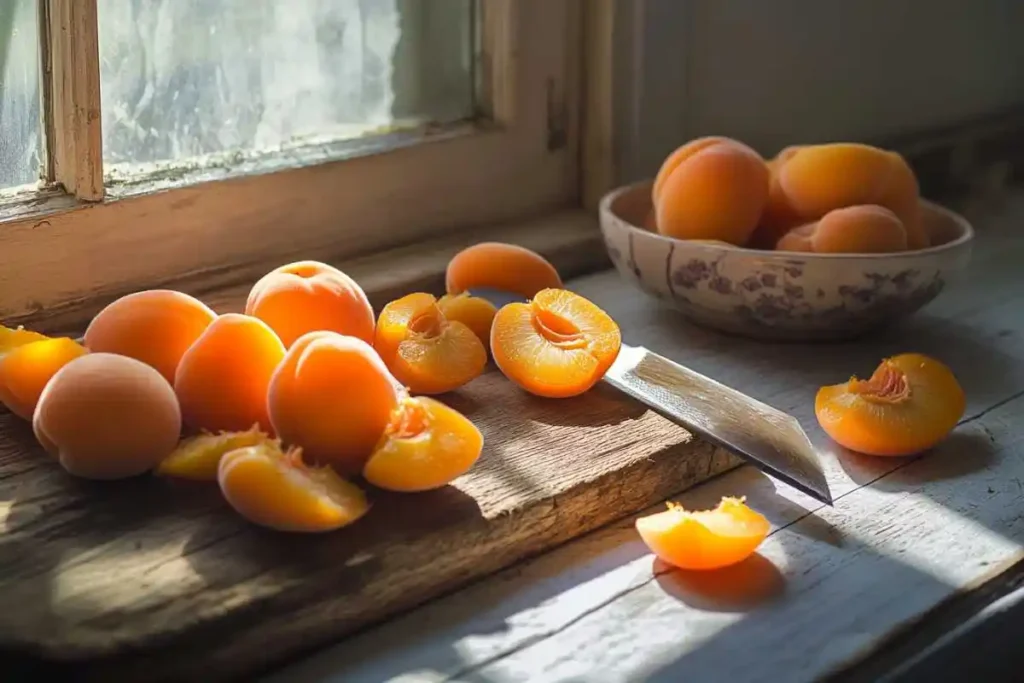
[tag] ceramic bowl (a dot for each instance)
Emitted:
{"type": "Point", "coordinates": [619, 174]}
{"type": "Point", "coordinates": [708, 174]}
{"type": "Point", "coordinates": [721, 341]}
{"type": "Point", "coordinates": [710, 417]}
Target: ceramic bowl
{"type": "Point", "coordinates": [781, 295]}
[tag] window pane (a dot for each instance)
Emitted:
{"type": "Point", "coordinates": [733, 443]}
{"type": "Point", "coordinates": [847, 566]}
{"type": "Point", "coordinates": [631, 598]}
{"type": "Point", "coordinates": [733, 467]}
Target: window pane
{"type": "Point", "coordinates": [184, 78]}
{"type": "Point", "coordinates": [20, 130]}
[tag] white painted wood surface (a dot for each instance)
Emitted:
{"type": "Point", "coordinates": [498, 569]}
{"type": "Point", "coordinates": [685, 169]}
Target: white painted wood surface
{"type": "Point", "coordinates": [827, 586]}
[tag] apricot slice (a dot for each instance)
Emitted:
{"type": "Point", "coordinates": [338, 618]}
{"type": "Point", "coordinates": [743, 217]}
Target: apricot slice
{"type": "Point", "coordinates": [13, 337]}
{"type": "Point", "coordinates": [26, 370]}
{"type": "Point", "coordinates": [309, 296]}
{"type": "Point", "coordinates": [719, 192]}
{"type": "Point", "coordinates": [557, 345]}
{"type": "Point", "coordinates": [704, 539]}
{"type": "Point", "coordinates": [105, 416]}
{"type": "Point", "coordinates": [472, 311]}
{"type": "Point", "coordinates": [909, 404]}
{"type": "Point", "coordinates": [279, 491]}
{"type": "Point", "coordinates": [497, 265]}
{"type": "Point", "coordinates": [156, 326]}
{"type": "Point", "coordinates": [819, 178]}
{"type": "Point", "coordinates": [427, 352]}
{"type": "Point", "coordinates": [222, 379]}
{"type": "Point", "coordinates": [426, 445]}
{"type": "Point", "coordinates": [197, 457]}
{"type": "Point", "coordinates": [333, 397]}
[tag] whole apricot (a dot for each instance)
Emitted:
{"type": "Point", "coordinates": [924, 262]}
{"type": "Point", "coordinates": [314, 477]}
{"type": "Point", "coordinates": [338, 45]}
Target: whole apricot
{"type": "Point", "coordinates": [332, 396]}
{"type": "Point", "coordinates": [717, 193]}
{"type": "Point", "coordinates": [309, 296]}
{"type": "Point", "coordinates": [222, 379]}
{"type": "Point", "coordinates": [496, 265]}
{"type": "Point", "coordinates": [902, 196]}
{"type": "Point", "coordinates": [676, 159]}
{"type": "Point", "coordinates": [26, 370]}
{"type": "Point", "coordinates": [156, 326]}
{"type": "Point", "coordinates": [817, 179]}
{"type": "Point", "coordinates": [105, 416]}
{"type": "Point", "coordinates": [859, 230]}
{"type": "Point", "coordinates": [797, 239]}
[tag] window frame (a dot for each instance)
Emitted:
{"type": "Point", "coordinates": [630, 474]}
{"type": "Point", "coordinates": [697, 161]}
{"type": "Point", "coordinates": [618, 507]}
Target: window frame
{"type": "Point", "coordinates": [75, 240]}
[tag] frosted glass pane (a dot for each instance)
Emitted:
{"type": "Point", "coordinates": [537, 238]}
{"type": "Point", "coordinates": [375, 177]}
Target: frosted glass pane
{"type": "Point", "coordinates": [184, 78]}
{"type": "Point", "coordinates": [20, 130]}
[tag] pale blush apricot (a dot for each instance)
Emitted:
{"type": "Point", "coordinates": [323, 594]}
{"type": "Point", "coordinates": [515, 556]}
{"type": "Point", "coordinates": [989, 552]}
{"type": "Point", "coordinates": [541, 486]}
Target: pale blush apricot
{"type": "Point", "coordinates": [26, 369]}
{"type": "Point", "coordinates": [859, 230]}
{"type": "Point", "coordinates": [718, 193]}
{"type": "Point", "coordinates": [426, 445]}
{"type": "Point", "coordinates": [155, 326]}
{"type": "Point", "coordinates": [105, 416]}
{"type": "Point", "coordinates": [497, 265]}
{"type": "Point", "coordinates": [677, 157]}
{"type": "Point", "coordinates": [222, 379]}
{"type": "Point", "coordinates": [902, 196]}
{"type": "Point", "coordinates": [197, 457]}
{"type": "Point", "coordinates": [427, 352]}
{"type": "Point", "coordinates": [475, 313]}
{"type": "Point", "coordinates": [13, 337]}
{"type": "Point", "coordinates": [705, 539]}
{"type": "Point", "coordinates": [909, 404]}
{"type": "Point", "coordinates": [332, 396]}
{"type": "Point", "coordinates": [277, 490]}
{"type": "Point", "coordinates": [557, 345]}
{"type": "Point", "coordinates": [309, 296]}
{"type": "Point", "coordinates": [817, 179]}
{"type": "Point", "coordinates": [797, 239]}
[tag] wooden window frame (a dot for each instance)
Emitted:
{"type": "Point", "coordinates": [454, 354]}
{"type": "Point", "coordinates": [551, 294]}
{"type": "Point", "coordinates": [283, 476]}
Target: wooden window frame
{"type": "Point", "coordinates": [74, 240]}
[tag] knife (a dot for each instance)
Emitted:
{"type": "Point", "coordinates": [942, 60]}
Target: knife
{"type": "Point", "coordinates": [768, 438]}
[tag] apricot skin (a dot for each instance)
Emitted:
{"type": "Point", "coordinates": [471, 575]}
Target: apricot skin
{"type": "Point", "coordinates": [676, 159]}
{"type": "Point", "coordinates": [26, 370]}
{"type": "Point", "coordinates": [717, 193]}
{"type": "Point", "coordinates": [332, 396]}
{"type": "Point", "coordinates": [798, 239]}
{"type": "Point", "coordinates": [859, 230]}
{"type": "Point", "coordinates": [820, 178]}
{"type": "Point", "coordinates": [156, 327]}
{"type": "Point", "coordinates": [902, 196]}
{"type": "Point", "coordinates": [309, 296]}
{"type": "Point", "coordinates": [105, 416]}
{"type": "Point", "coordinates": [496, 265]}
{"type": "Point", "coordinates": [222, 379]}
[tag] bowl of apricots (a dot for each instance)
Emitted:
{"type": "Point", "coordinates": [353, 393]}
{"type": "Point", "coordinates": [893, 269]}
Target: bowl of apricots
{"type": "Point", "coordinates": [824, 241]}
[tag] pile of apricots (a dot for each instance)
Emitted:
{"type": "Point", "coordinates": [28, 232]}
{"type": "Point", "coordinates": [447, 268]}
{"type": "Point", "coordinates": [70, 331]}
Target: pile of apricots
{"type": "Point", "coordinates": [286, 404]}
{"type": "Point", "coordinates": [833, 198]}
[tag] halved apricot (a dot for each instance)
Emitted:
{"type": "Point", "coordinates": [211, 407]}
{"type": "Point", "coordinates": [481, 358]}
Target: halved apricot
{"type": "Point", "coordinates": [26, 369]}
{"type": "Point", "coordinates": [705, 539]}
{"type": "Point", "coordinates": [909, 404]}
{"type": "Point", "coordinates": [475, 313]}
{"type": "Point", "coordinates": [496, 265]}
{"type": "Point", "coordinates": [425, 446]}
{"type": "Point", "coordinates": [197, 457]}
{"type": "Point", "coordinates": [557, 345]}
{"type": "Point", "coordinates": [13, 337]}
{"type": "Point", "coordinates": [426, 351]}
{"type": "Point", "coordinates": [278, 490]}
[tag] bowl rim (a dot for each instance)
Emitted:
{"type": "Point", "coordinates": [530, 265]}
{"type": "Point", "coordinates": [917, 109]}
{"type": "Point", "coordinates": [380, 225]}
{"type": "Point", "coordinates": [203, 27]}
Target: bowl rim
{"type": "Point", "coordinates": [605, 208]}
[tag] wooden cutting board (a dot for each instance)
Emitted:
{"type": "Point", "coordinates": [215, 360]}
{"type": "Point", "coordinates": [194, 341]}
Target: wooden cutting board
{"type": "Point", "coordinates": [158, 580]}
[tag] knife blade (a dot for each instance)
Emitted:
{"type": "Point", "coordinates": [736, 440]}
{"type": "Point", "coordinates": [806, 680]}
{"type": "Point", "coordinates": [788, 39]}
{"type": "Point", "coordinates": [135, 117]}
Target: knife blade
{"type": "Point", "coordinates": [768, 438]}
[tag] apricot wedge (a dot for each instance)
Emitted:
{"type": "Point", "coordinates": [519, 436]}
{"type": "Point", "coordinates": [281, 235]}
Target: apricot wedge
{"type": "Point", "coordinates": [198, 457]}
{"type": "Point", "coordinates": [277, 490]}
{"type": "Point", "coordinates": [426, 445]}
{"type": "Point", "coordinates": [26, 369]}
{"type": "Point", "coordinates": [13, 337]}
{"type": "Point", "coordinates": [704, 539]}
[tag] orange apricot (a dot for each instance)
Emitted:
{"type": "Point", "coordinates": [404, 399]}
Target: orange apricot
{"type": "Point", "coordinates": [859, 230]}
{"type": "Point", "coordinates": [651, 221]}
{"type": "Point", "coordinates": [105, 416]}
{"type": "Point", "coordinates": [426, 445]}
{"type": "Point", "coordinates": [427, 352]}
{"type": "Point", "coordinates": [677, 157]}
{"type": "Point", "coordinates": [797, 239]}
{"type": "Point", "coordinates": [13, 337]}
{"type": "Point", "coordinates": [279, 491]}
{"type": "Point", "coordinates": [155, 326]}
{"type": "Point", "coordinates": [197, 457]}
{"type": "Point", "coordinates": [497, 265]}
{"type": "Point", "coordinates": [472, 311]}
{"type": "Point", "coordinates": [779, 216]}
{"type": "Point", "coordinates": [333, 397]}
{"type": "Point", "coordinates": [309, 296]}
{"type": "Point", "coordinates": [909, 404]}
{"type": "Point", "coordinates": [718, 192]}
{"type": "Point", "coordinates": [26, 370]}
{"type": "Point", "coordinates": [902, 196]}
{"type": "Point", "coordinates": [819, 178]}
{"type": "Point", "coordinates": [704, 539]}
{"type": "Point", "coordinates": [557, 345]}
{"type": "Point", "coordinates": [222, 379]}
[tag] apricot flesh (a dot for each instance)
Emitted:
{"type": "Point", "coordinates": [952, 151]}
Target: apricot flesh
{"type": "Point", "coordinates": [496, 265]}
{"type": "Point", "coordinates": [155, 326]}
{"type": "Point", "coordinates": [705, 539]}
{"type": "Point", "coordinates": [198, 457]}
{"type": "Point", "coordinates": [105, 416]}
{"type": "Point", "coordinates": [26, 370]}
{"type": "Point", "coordinates": [333, 397]}
{"type": "Point", "coordinates": [909, 404]}
{"type": "Point", "coordinates": [277, 490]}
{"type": "Point", "coordinates": [426, 445]}
{"type": "Point", "coordinates": [309, 296]}
{"type": "Point", "coordinates": [472, 311]}
{"type": "Point", "coordinates": [13, 337]}
{"type": "Point", "coordinates": [222, 379]}
{"type": "Point", "coordinates": [558, 345]}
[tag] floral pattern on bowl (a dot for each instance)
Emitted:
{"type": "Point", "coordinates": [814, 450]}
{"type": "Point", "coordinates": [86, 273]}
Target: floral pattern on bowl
{"type": "Point", "coordinates": [781, 295]}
